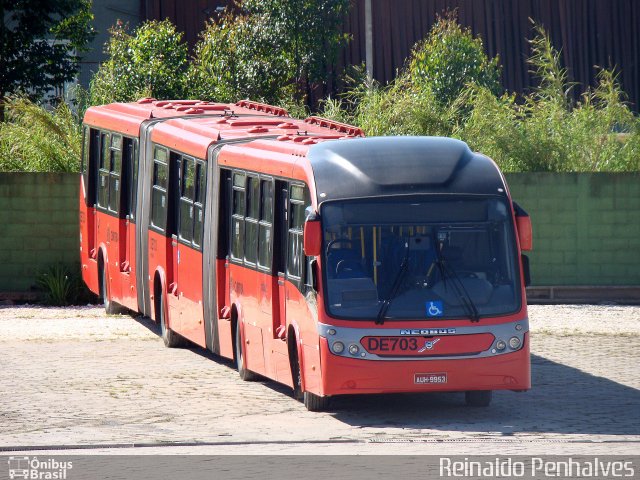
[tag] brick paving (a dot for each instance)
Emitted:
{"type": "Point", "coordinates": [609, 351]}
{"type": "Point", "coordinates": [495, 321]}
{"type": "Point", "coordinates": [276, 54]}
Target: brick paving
{"type": "Point", "coordinates": [76, 377]}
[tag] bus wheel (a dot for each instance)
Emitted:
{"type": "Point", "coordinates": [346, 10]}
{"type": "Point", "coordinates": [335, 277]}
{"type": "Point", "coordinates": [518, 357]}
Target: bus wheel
{"type": "Point", "coordinates": [246, 375]}
{"type": "Point", "coordinates": [478, 398]}
{"type": "Point", "coordinates": [170, 338]}
{"type": "Point", "coordinates": [312, 402]}
{"type": "Point", "coordinates": [110, 307]}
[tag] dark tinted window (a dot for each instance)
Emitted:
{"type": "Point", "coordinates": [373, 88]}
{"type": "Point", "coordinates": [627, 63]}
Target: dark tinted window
{"type": "Point", "coordinates": [159, 200]}
{"type": "Point", "coordinates": [103, 172]}
{"type": "Point", "coordinates": [265, 227]}
{"type": "Point", "coordinates": [237, 221]}
{"type": "Point", "coordinates": [254, 197]}
{"type": "Point", "coordinates": [299, 199]}
{"type": "Point", "coordinates": [115, 173]}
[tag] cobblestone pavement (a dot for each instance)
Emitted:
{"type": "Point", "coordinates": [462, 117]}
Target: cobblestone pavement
{"type": "Point", "coordinates": [75, 378]}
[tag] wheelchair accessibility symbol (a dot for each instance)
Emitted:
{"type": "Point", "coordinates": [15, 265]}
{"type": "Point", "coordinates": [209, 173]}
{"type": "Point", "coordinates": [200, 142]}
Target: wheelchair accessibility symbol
{"type": "Point", "coordinates": [434, 308]}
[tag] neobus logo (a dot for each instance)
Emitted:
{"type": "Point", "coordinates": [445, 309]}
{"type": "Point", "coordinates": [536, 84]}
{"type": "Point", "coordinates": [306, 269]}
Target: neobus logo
{"type": "Point", "coordinates": [429, 331]}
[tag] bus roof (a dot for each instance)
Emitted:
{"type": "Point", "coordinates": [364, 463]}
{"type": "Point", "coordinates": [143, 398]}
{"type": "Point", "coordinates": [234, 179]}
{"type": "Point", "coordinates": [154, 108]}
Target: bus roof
{"type": "Point", "coordinates": [384, 166]}
{"type": "Point", "coordinates": [191, 126]}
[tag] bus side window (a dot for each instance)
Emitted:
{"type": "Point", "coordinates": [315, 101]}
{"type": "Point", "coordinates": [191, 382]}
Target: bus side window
{"type": "Point", "coordinates": [265, 227]}
{"type": "Point", "coordinates": [133, 192]}
{"type": "Point", "coordinates": [295, 254]}
{"type": "Point", "coordinates": [159, 201]}
{"type": "Point", "coordinates": [86, 143]}
{"type": "Point", "coordinates": [198, 206]}
{"type": "Point", "coordinates": [114, 173]}
{"type": "Point", "coordinates": [187, 194]}
{"type": "Point", "coordinates": [251, 221]}
{"type": "Point", "coordinates": [90, 158]}
{"type": "Point", "coordinates": [127, 176]}
{"type": "Point", "coordinates": [103, 171]}
{"type": "Point", "coordinates": [237, 216]}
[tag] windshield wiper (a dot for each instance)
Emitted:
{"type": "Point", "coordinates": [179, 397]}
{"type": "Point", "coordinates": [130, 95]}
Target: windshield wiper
{"type": "Point", "coordinates": [394, 289]}
{"type": "Point", "coordinates": [461, 291]}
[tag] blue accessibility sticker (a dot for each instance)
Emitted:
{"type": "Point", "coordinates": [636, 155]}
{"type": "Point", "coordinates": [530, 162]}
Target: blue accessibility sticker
{"type": "Point", "coordinates": [435, 308]}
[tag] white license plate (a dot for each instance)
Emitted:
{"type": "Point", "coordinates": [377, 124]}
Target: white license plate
{"type": "Point", "coordinates": [429, 378]}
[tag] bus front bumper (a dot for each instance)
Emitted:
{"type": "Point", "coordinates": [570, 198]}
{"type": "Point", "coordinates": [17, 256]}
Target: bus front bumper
{"type": "Point", "coordinates": [344, 376]}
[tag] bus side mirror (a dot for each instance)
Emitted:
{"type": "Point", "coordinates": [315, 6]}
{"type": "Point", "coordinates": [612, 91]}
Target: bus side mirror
{"type": "Point", "coordinates": [312, 237]}
{"type": "Point", "coordinates": [525, 233]}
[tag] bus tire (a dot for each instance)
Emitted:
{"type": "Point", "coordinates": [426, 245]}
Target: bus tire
{"type": "Point", "coordinates": [296, 373]}
{"type": "Point", "coordinates": [245, 374]}
{"type": "Point", "coordinates": [312, 402]}
{"type": "Point", "coordinates": [315, 403]}
{"type": "Point", "coordinates": [478, 398]}
{"type": "Point", "coordinates": [170, 338]}
{"type": "Point", "coordinates": [110, 307]}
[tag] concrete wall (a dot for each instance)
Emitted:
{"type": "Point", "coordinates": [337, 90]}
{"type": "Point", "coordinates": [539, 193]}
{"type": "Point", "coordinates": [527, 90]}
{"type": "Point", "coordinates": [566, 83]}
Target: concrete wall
{"type": "Point", "coordinates": [39, 225]}
{"type": "Point", "coordinates": [586, 226]}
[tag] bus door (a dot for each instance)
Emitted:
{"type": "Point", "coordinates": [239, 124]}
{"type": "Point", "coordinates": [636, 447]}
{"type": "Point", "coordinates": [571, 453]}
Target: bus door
{"type": "Point", "coordinates": [108, 221]}
{"type": "Point", "coordinates": [92, 177]}
{"type": "Point", "coordinates": [116, 235]}
{"type": "Point", "coordinates": [188, 257]}
{"type": "Point", "coordinates": [129, 178]}
{"type": "Point", "coordinates": [280, 257]}
{"type": "Point", "coordinates": [172, 258]}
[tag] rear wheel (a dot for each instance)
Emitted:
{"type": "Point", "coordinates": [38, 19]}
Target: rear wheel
{"type": "Point", "coordinates": [110, 307]}
{"type": "Point", "coordinates": [170, 338]}
{"type": "Point", "coordinates": [246, 375]}
{"type": "Point", "coordinates": [478, 398]}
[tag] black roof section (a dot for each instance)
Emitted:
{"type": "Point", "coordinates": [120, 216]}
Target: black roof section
{"type": "Point", "coordinates": [383, 166]}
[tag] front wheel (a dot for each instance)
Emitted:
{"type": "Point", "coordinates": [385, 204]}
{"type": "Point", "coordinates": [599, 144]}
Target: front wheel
{"type": "Point", "coordinates": [478, 398]}
{"type": "Point", "coordinates": [312, 402]}
{"type": "Point", "coordinates": [315, 403]}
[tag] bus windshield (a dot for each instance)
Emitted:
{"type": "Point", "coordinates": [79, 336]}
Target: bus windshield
{"type": "Point", "coordinates": [422, 258]}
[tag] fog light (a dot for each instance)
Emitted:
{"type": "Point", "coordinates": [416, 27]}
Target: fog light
{"type": "Point", "coordinates": [354, 349]}
{"type": "Point", "coordinates": [338, 347]}
{"type": "Point", "coordinates": [331, 331]}
{"type": "Point", "coordinates": [501, 345]}
{"type": "Point", "coordinates": [514, 343]}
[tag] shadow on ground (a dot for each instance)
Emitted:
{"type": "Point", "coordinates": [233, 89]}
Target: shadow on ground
{"type": "Point", "coordinates": [563, 400]}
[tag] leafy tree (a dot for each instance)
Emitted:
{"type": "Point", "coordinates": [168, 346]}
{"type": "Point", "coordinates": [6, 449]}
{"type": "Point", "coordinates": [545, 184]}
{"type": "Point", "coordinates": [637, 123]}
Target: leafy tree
{"type": "Point", "coordinates": [39, 44]}
{"type": "Point", "coordinates": [268, 49]}
{"type": "Point", "coordinates": [309, 30]}
{"type": "Point", "coordinates": [449, 59]}
{"type": "Point", "coordinates": [152, 61]}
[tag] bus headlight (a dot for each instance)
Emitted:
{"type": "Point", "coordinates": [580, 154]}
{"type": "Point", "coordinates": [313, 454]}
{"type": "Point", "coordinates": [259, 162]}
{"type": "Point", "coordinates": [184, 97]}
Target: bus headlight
{"type": "Point", "coordinates": [354, 349]}
{"type": "Point", "coordinates": [501, 345]}
{"type": "Point", "coordinates": [337, 347]}
{"type": "Point", "coordinates": [514, 343]}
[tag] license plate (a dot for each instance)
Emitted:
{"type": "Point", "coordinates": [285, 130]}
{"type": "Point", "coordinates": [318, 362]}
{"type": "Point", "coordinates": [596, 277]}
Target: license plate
{"type": "Point", "coordinates": [429, 378]}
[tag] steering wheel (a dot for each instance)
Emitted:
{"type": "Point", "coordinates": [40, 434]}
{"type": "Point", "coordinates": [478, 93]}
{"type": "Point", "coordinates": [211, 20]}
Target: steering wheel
{"type": "Point", "coordinates": [331, 244]}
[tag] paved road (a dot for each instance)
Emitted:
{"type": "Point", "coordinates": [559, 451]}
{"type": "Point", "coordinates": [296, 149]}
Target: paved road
{"type": "Point", "coordinates": [76, 377]}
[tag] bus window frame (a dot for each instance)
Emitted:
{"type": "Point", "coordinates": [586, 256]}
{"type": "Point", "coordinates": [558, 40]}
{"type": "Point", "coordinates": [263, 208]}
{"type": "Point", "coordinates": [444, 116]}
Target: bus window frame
{"type": "Point", "coordinates": [158, 188]}
{"type": "Point", "coordinates": [196, 208]}
{"type": "Point", "coordinates": [266, 224]}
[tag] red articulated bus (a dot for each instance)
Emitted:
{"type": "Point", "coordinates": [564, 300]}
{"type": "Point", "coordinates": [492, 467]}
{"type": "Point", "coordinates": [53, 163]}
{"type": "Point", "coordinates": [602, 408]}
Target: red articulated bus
{"type": "Point", "coordinates": [331, 263]}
